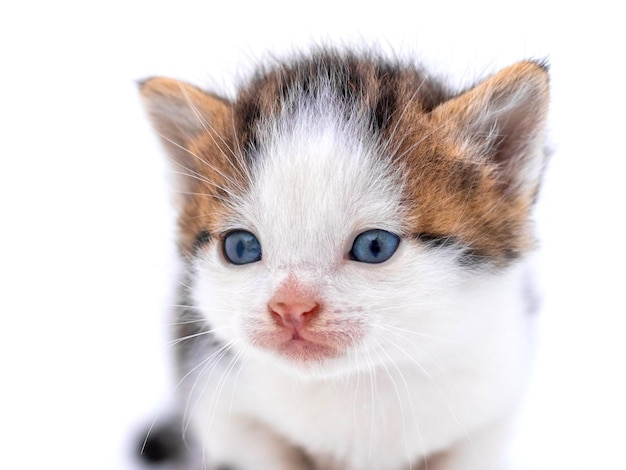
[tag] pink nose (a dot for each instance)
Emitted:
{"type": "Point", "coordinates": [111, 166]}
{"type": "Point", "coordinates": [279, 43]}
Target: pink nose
{"type": "Point", "coordinates": [295, 312]}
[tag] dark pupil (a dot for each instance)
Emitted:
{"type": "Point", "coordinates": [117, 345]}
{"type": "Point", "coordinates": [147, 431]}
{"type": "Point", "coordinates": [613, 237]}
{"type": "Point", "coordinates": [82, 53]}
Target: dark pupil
{"type": "Point", "coordinates": [241, 247]}
{"type": "Point", "coordinates": [375, 247]}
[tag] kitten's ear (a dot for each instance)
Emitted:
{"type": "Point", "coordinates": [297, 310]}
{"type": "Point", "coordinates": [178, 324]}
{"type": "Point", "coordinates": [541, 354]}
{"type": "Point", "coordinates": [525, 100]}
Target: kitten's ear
{"type": "Point", "coordinates": [505, 118]}
{"type": "Point", "coordinates": [180, 113]}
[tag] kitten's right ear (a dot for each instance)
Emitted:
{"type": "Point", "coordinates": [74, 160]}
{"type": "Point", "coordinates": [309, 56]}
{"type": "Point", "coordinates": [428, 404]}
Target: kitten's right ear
{"type": "Point", "coordinates": [181, 113]}
{"type": "Point", "coordinates": [504, 117]}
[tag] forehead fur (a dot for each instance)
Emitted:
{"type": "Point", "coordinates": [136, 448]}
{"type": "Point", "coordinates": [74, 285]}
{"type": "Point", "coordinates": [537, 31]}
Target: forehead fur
{"type": "Point", "coordinates": [319, 180]}
{"type": "Point", "coordinates": [328, 113]}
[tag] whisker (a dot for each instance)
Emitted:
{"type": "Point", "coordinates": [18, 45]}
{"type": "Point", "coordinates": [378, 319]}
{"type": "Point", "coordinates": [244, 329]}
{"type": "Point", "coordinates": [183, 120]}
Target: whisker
{"type": "Point", "coordinates": [417, 333]}
{"type": "Point", "coordinates": [226, 373]}
{"type": "Point", "coordinates": [405, 109]}
{"type": "Point", "coordinates": [195, 335]}
{"type": "Point", "coordinates": [242, 366]}
{"type": "Point", "coordinates": [187, 322]}
{"type": "Point", "coordinates": [239, 155]}
{"type": "Point", "coordinates": [420, 141]}
{"type": "Point", "coordinates": [409, 396]}
{"type": "Point", "coordinates": [430, 377]}
{"type": "Point", "coordinates": [216, 197]}
{"type": "Point", "coordinates": [213, 360]}
{"type": "Point", "coordinates": [373, 401]}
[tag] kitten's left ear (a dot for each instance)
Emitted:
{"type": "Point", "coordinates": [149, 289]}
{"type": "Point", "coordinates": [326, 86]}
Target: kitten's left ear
{"type": "Point", "coordinates": [181, 113]}
{"type": "Point", "coordinates": [505, 118]}
{"type": "Point", "coordinates": [180, 109]}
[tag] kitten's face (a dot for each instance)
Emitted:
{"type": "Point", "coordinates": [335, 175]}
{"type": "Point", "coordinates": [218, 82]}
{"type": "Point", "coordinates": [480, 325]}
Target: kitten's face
{"type": "Point", "coordinates": [339, 276]}
{"type": "Point", "coordinates": [351, 206]}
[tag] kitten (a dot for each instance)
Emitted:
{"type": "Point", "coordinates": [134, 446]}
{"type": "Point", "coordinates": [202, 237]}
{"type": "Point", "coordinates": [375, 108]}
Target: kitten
{"type": "Point", "coordinates": [356, 239]}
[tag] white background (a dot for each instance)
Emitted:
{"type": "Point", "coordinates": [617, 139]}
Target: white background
{"type": "Point", "coordinates": [86, 237]}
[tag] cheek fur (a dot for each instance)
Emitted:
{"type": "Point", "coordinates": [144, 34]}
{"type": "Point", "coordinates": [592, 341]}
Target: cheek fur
{"type": "Point", "coordinates": [227, 296]}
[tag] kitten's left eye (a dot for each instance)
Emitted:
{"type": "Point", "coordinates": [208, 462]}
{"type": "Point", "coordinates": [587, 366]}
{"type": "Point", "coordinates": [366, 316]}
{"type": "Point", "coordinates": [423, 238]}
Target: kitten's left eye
{"type": "Point", "coordinates": [241, 247]}
{"type": "Point", "coordinates": [374, 246]}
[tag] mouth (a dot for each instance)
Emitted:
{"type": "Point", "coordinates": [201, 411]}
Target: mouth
{"type": "Point", "coordinates": [301, 350]}
{"type": "Point", "coordinates": [307, 345]}
{"type": "Point", "coordinates": [299, 346]}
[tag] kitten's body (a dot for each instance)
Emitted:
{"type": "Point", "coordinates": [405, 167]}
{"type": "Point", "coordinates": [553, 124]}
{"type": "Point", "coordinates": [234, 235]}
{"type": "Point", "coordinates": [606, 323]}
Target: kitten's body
{"type": "Point", "coordinates": [311, 352]}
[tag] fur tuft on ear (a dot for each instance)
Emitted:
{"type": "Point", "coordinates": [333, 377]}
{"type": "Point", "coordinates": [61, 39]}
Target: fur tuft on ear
{"type": "Point", "coordinates": [503, 118]}
{"type": "Point", "coordinates": [181, 114]}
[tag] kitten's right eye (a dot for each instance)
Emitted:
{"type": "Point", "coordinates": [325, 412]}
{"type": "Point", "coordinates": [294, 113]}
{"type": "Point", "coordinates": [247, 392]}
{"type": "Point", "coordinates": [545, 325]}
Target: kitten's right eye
{"type": "Point", "coordinates": [241, 247]}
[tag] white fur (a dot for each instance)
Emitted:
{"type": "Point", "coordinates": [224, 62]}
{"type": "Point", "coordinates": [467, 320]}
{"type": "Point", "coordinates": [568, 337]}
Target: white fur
{"type": "Point", "coordinates": [440, 351]}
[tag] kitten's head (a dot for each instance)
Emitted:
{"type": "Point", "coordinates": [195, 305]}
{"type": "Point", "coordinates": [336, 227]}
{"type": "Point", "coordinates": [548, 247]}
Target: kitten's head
{"type": "Point", "coordinates": [341, 205]}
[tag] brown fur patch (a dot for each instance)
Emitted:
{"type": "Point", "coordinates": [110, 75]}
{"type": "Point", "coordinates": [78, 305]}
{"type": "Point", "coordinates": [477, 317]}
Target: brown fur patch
{"type": "Point", "coordinates": [466, 184]}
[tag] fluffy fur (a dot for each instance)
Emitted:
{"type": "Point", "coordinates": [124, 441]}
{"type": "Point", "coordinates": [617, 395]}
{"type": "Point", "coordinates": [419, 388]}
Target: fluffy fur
{"type": "Point", "coordinates": [416, 361]}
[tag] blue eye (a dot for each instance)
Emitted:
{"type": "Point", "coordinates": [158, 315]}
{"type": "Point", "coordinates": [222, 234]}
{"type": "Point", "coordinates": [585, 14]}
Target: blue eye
{"type": "Point", "coordinates": [241, 247]}
{"type": "Point", "coordinates": [374, 246]}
